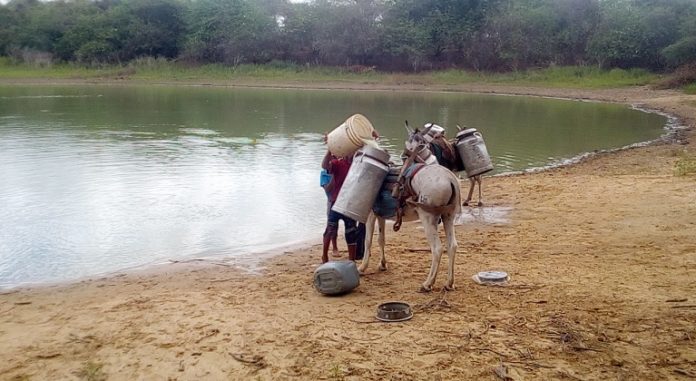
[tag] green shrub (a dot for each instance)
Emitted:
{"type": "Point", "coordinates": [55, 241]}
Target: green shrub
{"type": "Point", "coordinates": [681, 52]}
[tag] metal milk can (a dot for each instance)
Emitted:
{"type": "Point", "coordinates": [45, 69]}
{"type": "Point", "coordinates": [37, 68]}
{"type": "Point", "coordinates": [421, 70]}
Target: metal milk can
{"type": "Point", "coordinates": [362, 184]}
{"type": "Point", "coordinates": [432, 131]}
{"type": "Point", "coordinates": [473, 152]}
{"type": "Point", "coordinates": [426, 156]}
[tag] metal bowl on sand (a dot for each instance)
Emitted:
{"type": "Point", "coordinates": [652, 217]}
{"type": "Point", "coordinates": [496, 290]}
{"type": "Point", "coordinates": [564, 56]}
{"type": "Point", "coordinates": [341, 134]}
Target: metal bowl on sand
{"type": "Point", "coordinates": [394, 312]}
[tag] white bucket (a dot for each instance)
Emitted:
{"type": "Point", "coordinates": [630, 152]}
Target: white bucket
{"type": "Point", "coordinates": [345, 139]}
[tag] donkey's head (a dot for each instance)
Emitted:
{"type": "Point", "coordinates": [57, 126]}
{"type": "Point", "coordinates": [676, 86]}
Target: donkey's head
{"type": "Point", "coordinates": [416, 143]}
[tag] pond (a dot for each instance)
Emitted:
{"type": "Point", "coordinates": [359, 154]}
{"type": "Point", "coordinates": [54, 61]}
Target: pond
{"type": "Point", "coordinates": [97, 179]}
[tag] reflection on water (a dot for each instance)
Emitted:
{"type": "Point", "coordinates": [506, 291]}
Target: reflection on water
{"type": "Point", "coordinates": [96, 179]}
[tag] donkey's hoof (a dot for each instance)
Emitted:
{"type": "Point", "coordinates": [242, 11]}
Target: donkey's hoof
{"type": "Point", "coordinates": [449, 287]}
{"type": "Point", "coordinates": [425, 290]}
{"type": "Point", "coordinates": [466, 203]}
{"type": "Point", "coordinates": [361, 270]}
{"type": "Point", "coordinates": [383, 267]}
{"type": "Point", "coordinates": [480, 203]}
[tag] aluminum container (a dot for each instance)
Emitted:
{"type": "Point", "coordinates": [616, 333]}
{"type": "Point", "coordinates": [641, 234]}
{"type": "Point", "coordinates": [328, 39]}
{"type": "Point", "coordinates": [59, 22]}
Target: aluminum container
{"type": "Point", "coordinates": [472, 150]}
{"type": "Point", "coordinates": [362, 184]}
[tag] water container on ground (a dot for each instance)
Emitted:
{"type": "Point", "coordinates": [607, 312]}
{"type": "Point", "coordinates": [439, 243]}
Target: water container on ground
{"type": "Point", "coordinates": [337, 277]}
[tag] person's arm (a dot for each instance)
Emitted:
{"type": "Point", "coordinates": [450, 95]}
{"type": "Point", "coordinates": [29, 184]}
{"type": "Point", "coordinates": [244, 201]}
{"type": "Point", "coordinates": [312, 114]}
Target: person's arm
{"type": "Point", "coordinates": [328, 188]}
{"type": "Point", "coordinates": [326, 162]}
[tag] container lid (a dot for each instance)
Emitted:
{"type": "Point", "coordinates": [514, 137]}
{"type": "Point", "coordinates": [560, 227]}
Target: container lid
{"type": "Point", "coordinates": [492, 276]}
{"type": "Point", "coordinates": [434, 129]}
{"type": "Point", "coordinates": [361, 126]}
{"type": "Point", "coordinates": [374, 152]}
{"type": "Point", "coordinates": [394, 312]}
{"type": "Point", "coordinates": [467, 132]}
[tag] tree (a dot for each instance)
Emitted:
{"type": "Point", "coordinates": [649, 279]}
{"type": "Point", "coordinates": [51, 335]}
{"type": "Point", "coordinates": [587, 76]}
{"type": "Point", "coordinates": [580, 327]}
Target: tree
{"type": "Point", "coordinates": [619, 39]}
{"type": "Point", "coordinates": [154, 28]}
{"type": "Point", "coordinates": [229, 31]}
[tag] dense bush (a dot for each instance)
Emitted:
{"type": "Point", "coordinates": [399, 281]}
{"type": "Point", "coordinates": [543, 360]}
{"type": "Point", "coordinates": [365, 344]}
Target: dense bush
{"type": "Point", "coordinates": [487, 35]}
{"type": "Point", "coordinates": [681, 52]}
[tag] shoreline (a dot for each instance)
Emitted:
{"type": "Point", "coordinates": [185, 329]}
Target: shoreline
{"type": "Point", "coordinates": [600, 253]}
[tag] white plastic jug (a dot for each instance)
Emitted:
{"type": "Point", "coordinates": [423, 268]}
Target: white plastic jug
{"type": "Point", "coordinates": [345, 139]}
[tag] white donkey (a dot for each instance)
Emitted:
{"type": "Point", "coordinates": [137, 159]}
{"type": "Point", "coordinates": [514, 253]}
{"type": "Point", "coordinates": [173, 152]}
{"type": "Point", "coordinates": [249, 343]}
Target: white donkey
{"type": "Point", "coordinates": [433, 194]}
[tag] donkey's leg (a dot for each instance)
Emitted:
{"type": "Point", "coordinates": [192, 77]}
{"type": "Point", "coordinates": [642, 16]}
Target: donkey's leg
{"type": "Point", "coordinates": [448, 221]}
{"type": "Point", "coordinates": [472, 183]}
{"type": "Point", "coordinates": [479, 180]}
{"type": "Point", "coordinates": [382, 238]}
{"type": "Point", "coordinates": [369, 230]}
{"type": "Point", "coordinates": [429, 222]}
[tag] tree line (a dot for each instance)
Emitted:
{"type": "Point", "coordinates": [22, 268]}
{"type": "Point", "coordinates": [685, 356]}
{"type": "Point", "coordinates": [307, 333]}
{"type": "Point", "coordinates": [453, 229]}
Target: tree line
{"type": "Point", "coordinates": [491, 35]}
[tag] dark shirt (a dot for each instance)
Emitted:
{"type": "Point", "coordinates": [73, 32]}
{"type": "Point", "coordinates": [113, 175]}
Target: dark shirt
{"type": "Point", "coordinates": [338, 168]}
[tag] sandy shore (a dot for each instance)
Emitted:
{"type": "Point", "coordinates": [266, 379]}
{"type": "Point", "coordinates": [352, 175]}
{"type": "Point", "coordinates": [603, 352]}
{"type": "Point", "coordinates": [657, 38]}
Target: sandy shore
{"type": "Point", "coordinates": [602, 256]}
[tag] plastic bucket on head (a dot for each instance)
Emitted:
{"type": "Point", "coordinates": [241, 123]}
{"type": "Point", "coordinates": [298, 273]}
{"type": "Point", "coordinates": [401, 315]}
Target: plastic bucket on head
{"type": "Point", "coordinates": [347, 138]}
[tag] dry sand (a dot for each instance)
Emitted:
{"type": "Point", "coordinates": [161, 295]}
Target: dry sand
{"type": "Point", "coordinates": [602, 258]}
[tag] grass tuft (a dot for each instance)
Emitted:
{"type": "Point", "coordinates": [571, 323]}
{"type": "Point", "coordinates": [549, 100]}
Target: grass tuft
{"type": "Point", "coordinates": [92, 371]}
{"type": "Point", "coordinates": [690, 89]}
{"type": "Point", "coordinates": [685, 165]}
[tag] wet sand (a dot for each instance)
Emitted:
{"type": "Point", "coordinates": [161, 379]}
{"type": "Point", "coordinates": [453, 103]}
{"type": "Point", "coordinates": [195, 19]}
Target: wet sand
{"type": "Point", "coordinates": [602, 258]}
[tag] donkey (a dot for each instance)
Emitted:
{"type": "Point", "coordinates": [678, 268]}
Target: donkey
{"type": "Point", "coordinates": [429, 192]}
{"type": "Point", "coordinates": [448, 156]}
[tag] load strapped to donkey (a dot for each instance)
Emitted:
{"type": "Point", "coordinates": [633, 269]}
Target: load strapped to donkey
{"type": "Point", "coordinates": [467, 152]}
{"type": "Point", "coordinates": [375, 184]}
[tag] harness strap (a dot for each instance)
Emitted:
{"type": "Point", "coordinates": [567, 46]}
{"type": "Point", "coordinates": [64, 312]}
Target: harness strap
{"type": "Point", "coordinates": [410, 174]}
{"type": "Point", "coordinates": [398, 221]}
{"type": "Point", "coordinates": [398, 191]}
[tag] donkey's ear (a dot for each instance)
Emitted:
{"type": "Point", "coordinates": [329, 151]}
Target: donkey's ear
{"type": "Point", "coordinates": [408, 129]}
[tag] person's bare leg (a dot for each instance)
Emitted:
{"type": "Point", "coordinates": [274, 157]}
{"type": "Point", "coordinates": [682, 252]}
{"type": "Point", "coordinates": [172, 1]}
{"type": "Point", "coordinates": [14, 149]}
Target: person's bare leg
{"type": "Point", "coordinates": [329, 234]}
{"type": "Point", "coordinates": [335, 251]}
